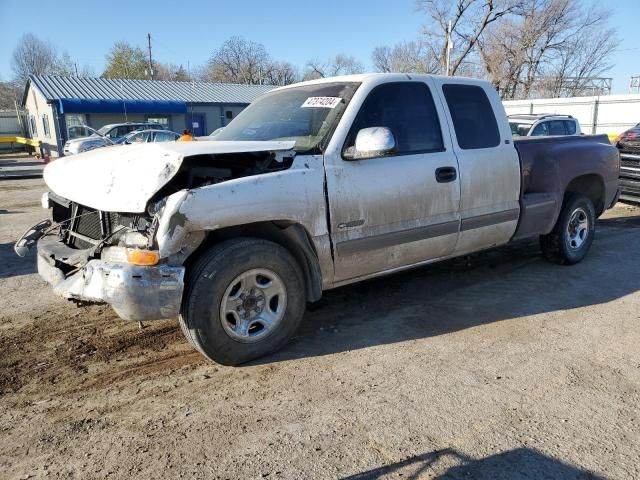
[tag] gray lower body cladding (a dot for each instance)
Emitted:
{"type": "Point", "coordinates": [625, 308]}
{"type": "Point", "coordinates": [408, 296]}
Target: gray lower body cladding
{"type": "Point", "coordinates": [134, 292]}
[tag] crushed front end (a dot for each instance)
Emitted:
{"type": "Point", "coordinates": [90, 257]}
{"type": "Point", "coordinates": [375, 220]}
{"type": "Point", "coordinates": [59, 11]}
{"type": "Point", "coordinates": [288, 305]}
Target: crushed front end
{"type": "Point", "coordinates": [88, 255]}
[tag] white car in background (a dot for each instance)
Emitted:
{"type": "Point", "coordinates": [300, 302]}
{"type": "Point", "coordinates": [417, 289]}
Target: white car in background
{"type": "Point", "coordinates": [80, 131]}
{"type": "Point", "coordinates": [107, 135]}
{"type": "Point", "coordinates": [148, 136]}
{"type": "Point", "coordinates": [543, 125]}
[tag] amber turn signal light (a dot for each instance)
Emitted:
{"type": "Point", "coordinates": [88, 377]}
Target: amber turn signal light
{"type": "Point", "coordinates": [137, 256]}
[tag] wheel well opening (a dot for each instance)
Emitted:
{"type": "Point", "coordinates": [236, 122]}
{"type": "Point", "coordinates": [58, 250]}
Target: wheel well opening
{"type": "Point", "coordinates": [592, 186]}
{"type": "Point", "coordinates": [292, 236]}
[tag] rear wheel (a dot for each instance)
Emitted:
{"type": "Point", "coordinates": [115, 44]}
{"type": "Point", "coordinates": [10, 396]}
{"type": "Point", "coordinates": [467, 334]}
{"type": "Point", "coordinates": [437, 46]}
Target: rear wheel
{"type": "Point", "coordinates": [571, 237]}
{"type": "Point", "coordinates": [244, 299]}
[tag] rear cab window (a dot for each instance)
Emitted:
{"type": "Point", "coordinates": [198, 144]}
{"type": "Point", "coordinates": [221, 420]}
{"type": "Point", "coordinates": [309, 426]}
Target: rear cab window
{"type": "Point", "coordinates": [570, 127]}
{"type": "Point", "coordinates": [474, 121]}
{"type": "Point", "coordinates": [408, 110]}
{"type": "Point", "coordinates": [541, 130]}
{"type": "Point", "coordinates": [556, 127]}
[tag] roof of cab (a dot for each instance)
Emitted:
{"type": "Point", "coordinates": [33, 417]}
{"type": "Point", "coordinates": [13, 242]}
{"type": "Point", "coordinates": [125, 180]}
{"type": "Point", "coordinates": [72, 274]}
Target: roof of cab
{"type": "Point", "coordinates": [364, 77]}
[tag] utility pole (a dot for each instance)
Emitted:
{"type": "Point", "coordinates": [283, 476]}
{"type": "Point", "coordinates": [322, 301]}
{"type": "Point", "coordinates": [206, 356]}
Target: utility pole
{"type": "Point", "coordinates": [150, 62]}
{"type": "Point", "coordinates": [75, 64]}
{"type": "Point", "coordinates": [449, 47]}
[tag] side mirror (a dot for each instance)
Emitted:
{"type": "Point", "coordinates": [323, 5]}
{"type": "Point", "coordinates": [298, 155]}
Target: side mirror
{"type": "Point", "coordinates": [372, 142]}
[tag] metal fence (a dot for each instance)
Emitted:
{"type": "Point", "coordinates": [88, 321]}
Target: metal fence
{"type": "Point", "coordinates": [609, 114]}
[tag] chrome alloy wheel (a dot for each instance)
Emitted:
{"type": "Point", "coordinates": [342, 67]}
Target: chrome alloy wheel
{"type": "Point", "coordinates": [253, 305]}
{"type": "Point", "coordinates": [577, 229]}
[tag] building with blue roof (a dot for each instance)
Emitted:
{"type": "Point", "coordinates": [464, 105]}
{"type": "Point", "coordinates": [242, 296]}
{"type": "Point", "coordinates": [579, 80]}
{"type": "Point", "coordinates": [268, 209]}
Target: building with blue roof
{"type": "Point", "coordinates": [55, 103]}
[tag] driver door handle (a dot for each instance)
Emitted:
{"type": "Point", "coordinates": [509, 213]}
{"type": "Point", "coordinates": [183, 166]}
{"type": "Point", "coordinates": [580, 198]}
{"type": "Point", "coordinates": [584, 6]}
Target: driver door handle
{"type": "Point", "coordinates": [446, 174]}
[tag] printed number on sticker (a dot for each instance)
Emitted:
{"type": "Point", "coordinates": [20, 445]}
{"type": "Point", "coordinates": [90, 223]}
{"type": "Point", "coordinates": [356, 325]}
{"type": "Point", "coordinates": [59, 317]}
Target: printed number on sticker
{"type": "Point", "coordinates": [321, 102]}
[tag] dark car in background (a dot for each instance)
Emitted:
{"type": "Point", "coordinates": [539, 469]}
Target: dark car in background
{"type": "Point", "coordinates": [628, 143]}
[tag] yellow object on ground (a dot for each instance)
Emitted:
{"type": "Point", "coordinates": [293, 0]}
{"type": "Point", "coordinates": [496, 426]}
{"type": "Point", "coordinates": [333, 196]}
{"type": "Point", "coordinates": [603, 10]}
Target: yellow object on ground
{"type": "Point", "coordinates": [24, 141]}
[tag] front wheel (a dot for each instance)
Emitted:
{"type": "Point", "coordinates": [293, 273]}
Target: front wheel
{"type": "Point", "coordinates": [571, 237]}
{"type": "Point", "coordinates": [244, 299]}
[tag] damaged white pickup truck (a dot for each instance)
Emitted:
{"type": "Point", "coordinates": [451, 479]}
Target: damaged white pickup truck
{"type": "Point", "coordinates": [313, 186]}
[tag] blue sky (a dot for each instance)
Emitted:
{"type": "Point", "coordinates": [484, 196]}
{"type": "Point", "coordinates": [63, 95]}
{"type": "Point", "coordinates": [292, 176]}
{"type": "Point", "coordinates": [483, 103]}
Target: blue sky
{"type": "Point", "coordinates": [187, 32]}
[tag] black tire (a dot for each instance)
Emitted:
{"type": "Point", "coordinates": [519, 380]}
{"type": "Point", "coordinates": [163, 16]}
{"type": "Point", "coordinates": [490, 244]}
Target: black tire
{"type": "Point", "coordinates": [208, 281]}
{"type": "Point", "coordinates": [560, 246]}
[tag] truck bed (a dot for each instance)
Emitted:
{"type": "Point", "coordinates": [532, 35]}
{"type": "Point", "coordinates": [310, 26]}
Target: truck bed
{"type": "Point", "coordinates": [549, 165]}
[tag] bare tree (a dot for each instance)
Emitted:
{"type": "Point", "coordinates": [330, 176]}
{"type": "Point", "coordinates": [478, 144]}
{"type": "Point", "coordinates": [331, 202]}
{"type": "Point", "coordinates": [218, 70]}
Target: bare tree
{"type": "Point", "coordinates": [87, 71]}
{"type": "Point", "coordinates": [548, 48]}
{"type": "Point", "coordinates": [64, 65]}
{"type": "Point", "coordinates": [10, 93]}
{"type": "Point", "coordinates": [281, 73]}
{"type": "Point", "coordinates": [170, 71]}
{"type": "Point", "coordinates": [341, 64]}
{"type": "Point", "coordinates": [239, 61]}
{"type": "Point", "coordinates": [585, 55]}
{"type": "Point", "coordinates": [382, 59]}
{"type": "Point", "coordinates": [469, 19]}
{"type": "Point", "coordinates": [405, 57]}
{"type": "Point", "coordinates": [32, 56]}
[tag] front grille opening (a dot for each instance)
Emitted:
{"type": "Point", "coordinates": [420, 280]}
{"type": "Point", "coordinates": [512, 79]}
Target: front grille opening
{"type": "Point", "coordinates": [82, 227]}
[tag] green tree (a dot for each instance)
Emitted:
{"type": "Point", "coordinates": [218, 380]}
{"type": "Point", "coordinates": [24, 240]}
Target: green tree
{"type": "Point", "coordinates": [126, 61]}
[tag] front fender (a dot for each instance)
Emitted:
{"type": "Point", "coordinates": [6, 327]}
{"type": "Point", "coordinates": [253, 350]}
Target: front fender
{"type": "Point", "coordinates": [295, 195]}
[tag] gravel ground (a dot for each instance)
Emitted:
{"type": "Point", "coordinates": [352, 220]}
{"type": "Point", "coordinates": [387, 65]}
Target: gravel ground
{"type": "Point", "coordinates": [495, 366]}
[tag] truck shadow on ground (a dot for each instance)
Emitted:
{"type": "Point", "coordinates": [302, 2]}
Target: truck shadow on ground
{"type": "Point", "coordinates": [517, 464]}
{"type": "Point", "coordinates": [499, 284]}
{"type": "Point", "coordinates": [17, 162]}
{"type": "Point", "coordinates": [11, 265]}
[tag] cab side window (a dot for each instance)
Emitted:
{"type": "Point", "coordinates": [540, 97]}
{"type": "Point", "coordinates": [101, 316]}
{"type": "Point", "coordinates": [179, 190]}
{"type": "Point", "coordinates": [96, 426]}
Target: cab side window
{"type": "Point", "coordinates": [474, 122]}
{"type": "Point", "coordinates": [407, 109]}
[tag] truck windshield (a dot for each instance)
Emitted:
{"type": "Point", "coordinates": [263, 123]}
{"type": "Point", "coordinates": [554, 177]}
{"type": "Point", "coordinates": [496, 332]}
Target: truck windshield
{"type": "Point", "coordinates": [306, 114]}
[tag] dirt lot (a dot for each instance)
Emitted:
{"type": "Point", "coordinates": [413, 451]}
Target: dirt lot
{"type": "Point", "coordinates": [496, 366]}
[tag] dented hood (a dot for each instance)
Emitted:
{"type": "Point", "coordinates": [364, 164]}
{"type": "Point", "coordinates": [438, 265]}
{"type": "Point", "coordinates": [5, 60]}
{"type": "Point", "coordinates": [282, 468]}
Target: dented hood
{"type": "Point", "coordinates": [124, 178]}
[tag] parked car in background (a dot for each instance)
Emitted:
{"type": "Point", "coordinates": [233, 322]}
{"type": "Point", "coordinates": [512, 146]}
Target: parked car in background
{"type": "Point", "coordinates": [106, 135]}
{"type": "Point", "coordinates": [80, 131]}
{"type": "Point", "coordinates": [543, 125]}
{"type": "Point", "coordinates": [118, 130]}
{"type": "Point", "coordinates": [628, 143]}
{"type": "Point", "coordinates": [148, 136]}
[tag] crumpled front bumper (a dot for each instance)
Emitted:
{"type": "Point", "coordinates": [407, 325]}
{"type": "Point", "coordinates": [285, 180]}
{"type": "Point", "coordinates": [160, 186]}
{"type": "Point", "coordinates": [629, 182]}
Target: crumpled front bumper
{"type": "Point", "coordinates": [134, 292]}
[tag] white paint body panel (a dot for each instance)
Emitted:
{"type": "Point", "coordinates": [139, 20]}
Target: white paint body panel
{"type": "Point", "coordinates": [388, 195]}
{"type": "Point", "coordinates": [124, 178]}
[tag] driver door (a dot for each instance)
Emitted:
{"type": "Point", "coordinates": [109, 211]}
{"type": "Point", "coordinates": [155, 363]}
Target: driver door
{"type": "Point", "coordinates": [402, 208]}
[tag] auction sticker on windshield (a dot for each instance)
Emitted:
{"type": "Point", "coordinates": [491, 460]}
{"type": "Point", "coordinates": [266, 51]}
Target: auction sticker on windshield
{"type": "Point", "coordinates": [321, 102]}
